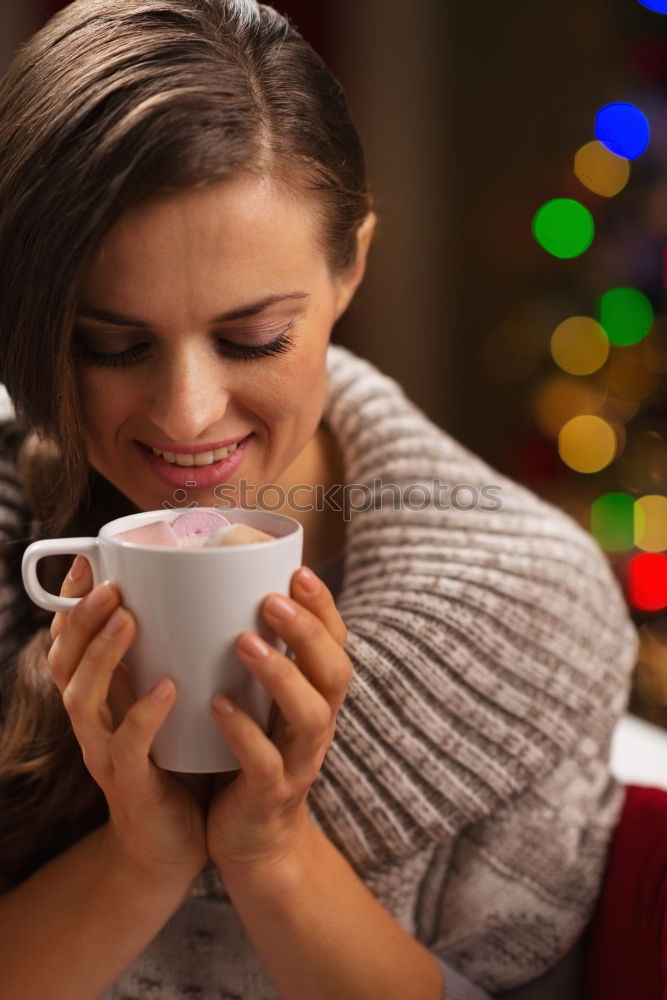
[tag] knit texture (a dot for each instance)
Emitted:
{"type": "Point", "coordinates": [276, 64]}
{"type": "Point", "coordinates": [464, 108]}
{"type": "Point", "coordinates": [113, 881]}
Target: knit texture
{"type": "Point", "coordinates": [468, 783]}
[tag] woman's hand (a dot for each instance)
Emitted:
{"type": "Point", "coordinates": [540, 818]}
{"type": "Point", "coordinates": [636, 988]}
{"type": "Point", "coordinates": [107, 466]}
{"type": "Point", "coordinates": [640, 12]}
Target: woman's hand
{"type": "Point", "coordinates": [156, 824]}
{"type": "Point", "coordinates": [257, 821]}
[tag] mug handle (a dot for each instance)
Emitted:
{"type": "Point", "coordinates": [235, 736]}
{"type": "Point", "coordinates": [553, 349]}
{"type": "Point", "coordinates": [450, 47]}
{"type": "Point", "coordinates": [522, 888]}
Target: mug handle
{"type": "Point", "coordinates": [87, 547]}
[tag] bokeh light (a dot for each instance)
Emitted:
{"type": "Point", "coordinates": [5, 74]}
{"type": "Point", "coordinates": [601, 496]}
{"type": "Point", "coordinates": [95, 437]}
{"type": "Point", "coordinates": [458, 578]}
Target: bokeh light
{"type": "Point", "coordinates": [623, 129]}
{"type": "Point", "coordinates": [587, 443]}
{"type": "Point", "coordinates": [579, 345]}
{"type": "Point", "coordinates": [647, 581]}
{"type": "Point", "coordinates": [659, 6]}
{"type": "Point", "coordinates": [600, 170]}
{"type": "Point", "coordinates": [558, 398]}
{"type": "Point", "coordinates": [613, 521]}
{"type": "Point", "coordinates": [650, 523]}
{"type": "Point", "coordinates": [626, 315]}
{"type": "Point", "coordinates": [564, 227]}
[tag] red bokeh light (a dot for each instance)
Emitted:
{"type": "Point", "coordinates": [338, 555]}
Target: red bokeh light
{"type": "Point", "coordinates": [647, 581]}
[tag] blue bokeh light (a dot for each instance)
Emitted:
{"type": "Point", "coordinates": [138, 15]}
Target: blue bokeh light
{"type": "Point", "coordinates": [659, 6]}
{"type": "Point", "coordinates": [623, 129]}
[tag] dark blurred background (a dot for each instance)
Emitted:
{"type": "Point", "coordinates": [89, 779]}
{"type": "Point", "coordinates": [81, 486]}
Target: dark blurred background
{"type": "Point", "coordinates": [471, 115]}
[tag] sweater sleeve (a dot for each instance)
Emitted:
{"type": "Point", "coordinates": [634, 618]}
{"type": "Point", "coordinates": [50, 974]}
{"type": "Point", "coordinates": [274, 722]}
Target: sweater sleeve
{"type": "Point", "coordinates": [490, 671]}
{"type": "Point", "coordinates": [487, 632]}
{"type": "Point", "coordinates": [482, 661]}
{"type": "Point", "coordinates": [493, 652]}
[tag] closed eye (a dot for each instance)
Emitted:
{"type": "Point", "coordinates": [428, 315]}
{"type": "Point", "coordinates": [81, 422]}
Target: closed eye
{"type": "Point", "coordinates": [228, 348]}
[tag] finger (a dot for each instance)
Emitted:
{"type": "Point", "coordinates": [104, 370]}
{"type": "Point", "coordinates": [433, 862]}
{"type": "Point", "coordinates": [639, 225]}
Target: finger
{"type": "Point", "coordinates": [130, 745]}
{"type": "Point", "coordinates": [318, 599]}
{"type": "Point", "coordinates": [306, 713]}
{"type": "Point", "coordinates": [77, 583]}
{"type": "Point", "coordinates": [262, 774]}
{"type": "Point", "coordinates": [83, 623]}
{"type": "Point", "coordinates": [85, 699]}
{"type": "Point", "coordinates": [86, 696]}
{"type": "Point", "coordinates": [317, 653]}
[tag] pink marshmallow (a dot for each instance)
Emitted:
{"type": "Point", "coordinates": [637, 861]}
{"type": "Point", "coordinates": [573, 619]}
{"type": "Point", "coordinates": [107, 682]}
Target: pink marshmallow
{"type": "Point", "coordinates": [194, 530]}
{"type": "Point", "coordinates": [197, 522]}
{"type": "Point", "coordinates": [156, 533]}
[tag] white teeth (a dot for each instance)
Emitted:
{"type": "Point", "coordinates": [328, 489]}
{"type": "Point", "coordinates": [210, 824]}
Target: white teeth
{"type": "Point", "coordinates": [201, 459]}
{"type": "Point", "coordinates": [224, 452]}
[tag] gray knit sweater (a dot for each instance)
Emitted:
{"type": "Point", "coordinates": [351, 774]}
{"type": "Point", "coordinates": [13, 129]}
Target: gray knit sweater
{"type": "Point", "coordinates": [468, 783]}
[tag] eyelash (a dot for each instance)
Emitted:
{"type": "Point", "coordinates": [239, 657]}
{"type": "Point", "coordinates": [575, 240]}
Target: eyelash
{"type": "Point", "coordinates": [239, 352]}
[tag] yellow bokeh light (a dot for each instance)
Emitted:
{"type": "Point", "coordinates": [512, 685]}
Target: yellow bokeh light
{"type": "Point", "coordinates": [600, 170]}
{"type": "Point", "coordinates": [587, 443]}
{"type": "Point", "coordinates": [558, 398]}
{"type": "Point", "coordinates": [579, 345]}
{"type": "Point", "coordinates": [651, 523]}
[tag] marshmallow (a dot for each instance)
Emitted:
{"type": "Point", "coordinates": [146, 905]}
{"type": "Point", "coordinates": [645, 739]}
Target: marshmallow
{"type": "Point", "coordinates": [156, 533]}
{"type": "Point", "coordinates": [197, 522]}
{"type": "Point", "coordinates": [194, 530]}
{"type": "Point", "coordinates": [237, 534]}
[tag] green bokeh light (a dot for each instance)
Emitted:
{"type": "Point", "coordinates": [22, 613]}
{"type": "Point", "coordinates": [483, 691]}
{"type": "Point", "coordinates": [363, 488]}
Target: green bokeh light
{"type": "Point", "coordinates": [613, 521]}
{"type": "Point", "coordinates": [626, 316]}
{"type": "Point", "coordinates": [564, 227]}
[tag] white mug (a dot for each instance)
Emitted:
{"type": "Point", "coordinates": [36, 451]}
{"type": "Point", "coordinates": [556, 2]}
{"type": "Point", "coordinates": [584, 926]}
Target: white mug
{"type": "Point", "coordinates": [190, 606]}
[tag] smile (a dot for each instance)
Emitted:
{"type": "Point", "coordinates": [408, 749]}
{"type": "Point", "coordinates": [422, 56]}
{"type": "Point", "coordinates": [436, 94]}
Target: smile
{"type": "Point", "coordinates": [202, 471]}
{"type": "Point", "coordinates": [203, 458]}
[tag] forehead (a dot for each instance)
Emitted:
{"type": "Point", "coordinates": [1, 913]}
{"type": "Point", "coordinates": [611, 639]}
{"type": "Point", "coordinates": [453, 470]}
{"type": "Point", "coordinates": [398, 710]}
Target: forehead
{"type": "Point", "coordinates": [238, 235]}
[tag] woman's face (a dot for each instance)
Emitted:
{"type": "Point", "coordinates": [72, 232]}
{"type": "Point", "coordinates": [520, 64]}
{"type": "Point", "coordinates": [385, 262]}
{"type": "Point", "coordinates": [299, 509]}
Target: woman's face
{"type": "Point", "coordinates": [192, 282]}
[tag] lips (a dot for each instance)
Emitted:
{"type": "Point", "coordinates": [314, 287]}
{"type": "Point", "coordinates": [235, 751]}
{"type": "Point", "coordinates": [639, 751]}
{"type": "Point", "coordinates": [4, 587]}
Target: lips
{"type": "Point", "coordinates": [196, 476]}
{"type": "Point", "coordinates": [195, 449]}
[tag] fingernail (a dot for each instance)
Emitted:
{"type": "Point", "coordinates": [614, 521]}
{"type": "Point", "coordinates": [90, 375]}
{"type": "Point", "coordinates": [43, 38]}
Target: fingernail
{"type": "Point", "coordinates": [279, 607]}
{"type": "Point", "coordinates": [223, 705]}
{"type": "Point", "coordinates": [76, 572]}
{"type": "Point", "coordinates": [308, 581]}
{"type": "Point", "coordinates": [100, 596]}
{"type": "Point", "coordinates": [162, 690]}
{"type": "Point", "coordinates": [115, 623]}
{"type": "Point", "coordinates": [252, 645]}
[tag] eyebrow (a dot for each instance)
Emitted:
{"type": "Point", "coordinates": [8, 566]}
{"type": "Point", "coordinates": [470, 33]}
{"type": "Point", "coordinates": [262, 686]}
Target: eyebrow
{"type": "Point", "coordinates": [89, 312]}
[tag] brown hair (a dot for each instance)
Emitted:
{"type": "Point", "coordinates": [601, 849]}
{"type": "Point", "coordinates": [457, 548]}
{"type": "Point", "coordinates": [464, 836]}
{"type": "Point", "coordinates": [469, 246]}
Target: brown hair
{"type": "Point", "coordinates": [112, 104]}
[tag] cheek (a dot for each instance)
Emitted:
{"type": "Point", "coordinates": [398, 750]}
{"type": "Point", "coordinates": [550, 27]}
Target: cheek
{"type": "Point", "coordinates": [281, 402]}
{"type": "Point", "coordinates": [278, 395]}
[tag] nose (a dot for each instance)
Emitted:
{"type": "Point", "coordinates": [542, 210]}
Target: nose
{"type": "Point", "coordinates": [188, 397]}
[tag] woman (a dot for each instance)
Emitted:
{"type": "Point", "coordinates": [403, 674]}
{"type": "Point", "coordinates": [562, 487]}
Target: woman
{"type": "Point", "coordinates": [185, 217]}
